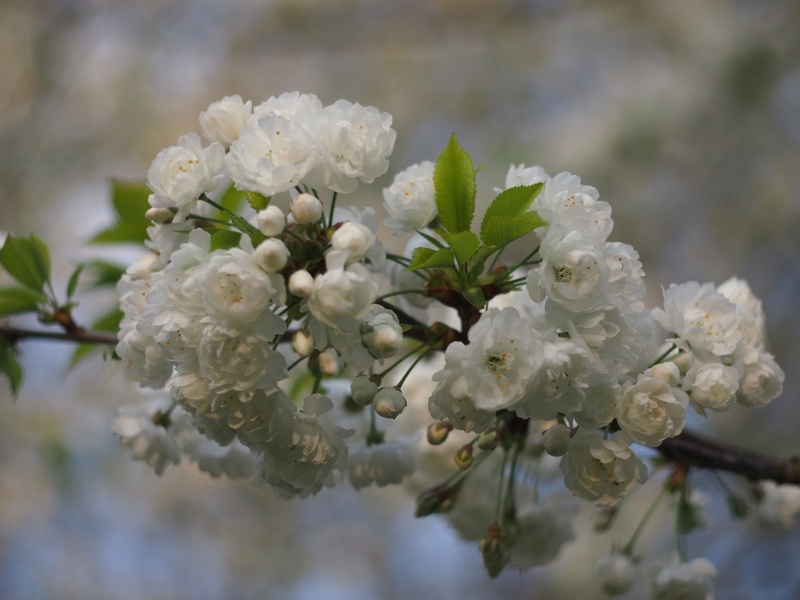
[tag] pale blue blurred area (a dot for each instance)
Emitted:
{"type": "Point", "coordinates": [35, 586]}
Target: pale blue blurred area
{"type": "Point", "coordinates": [685, 115]}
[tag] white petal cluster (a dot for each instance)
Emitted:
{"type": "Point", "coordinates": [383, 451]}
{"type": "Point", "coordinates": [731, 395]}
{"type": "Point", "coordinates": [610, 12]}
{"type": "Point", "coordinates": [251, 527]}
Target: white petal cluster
{"type": "Point", "coordinates": [223, 120]}
{"type": "Point", "coordinates": [778, 504]}
{"type": "Point", "coordinates": [343, 294]}
{"type": "Point", "coordinates": [601, 470]}
{"type": "Point", "coordinates": [180, 174]}
{"type": "Point", "coordinates": [690, 580]}
{"type": "Point", "coordinates": [410, 200]}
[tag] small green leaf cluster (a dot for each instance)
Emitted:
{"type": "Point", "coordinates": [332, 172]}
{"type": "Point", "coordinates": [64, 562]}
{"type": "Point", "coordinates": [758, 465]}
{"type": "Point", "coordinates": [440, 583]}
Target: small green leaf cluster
{"type": "Point", "coordinates": [460, 254]}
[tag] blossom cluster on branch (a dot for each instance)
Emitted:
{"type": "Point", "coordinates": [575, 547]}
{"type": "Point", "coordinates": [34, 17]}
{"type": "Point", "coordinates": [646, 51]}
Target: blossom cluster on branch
{"type": "Point", "coordinates": [284, 343]}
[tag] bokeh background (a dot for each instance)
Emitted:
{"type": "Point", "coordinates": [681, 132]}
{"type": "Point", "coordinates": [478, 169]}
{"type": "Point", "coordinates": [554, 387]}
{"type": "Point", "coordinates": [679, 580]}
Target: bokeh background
{"type": "Point", "coordinates": [685, 115]}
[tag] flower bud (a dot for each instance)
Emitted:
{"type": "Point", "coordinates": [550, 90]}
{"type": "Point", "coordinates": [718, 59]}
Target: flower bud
{"type": "Point", "coordinates": [363, 390]}
{"type": "Point", "coordinates": [667, 372]}
{"type": "Point", "coordinates": [272, 255]}
{"type": "Point", "coordinates": [437, 499]}
{"type": "Point", "coordinates": [160, 216]}
{"type": "Point", "coordinates": [306, 209]}
{"type": "Point", "coordinates": [463, 457]}
{"type": "Point", "coordinates": [389, 402]}
{"type": "Point", "coordinates": [329, 362]}
{"type": "Point", "coordinates": [495, 550]}
{"type": "Point", "coordinates": [302, 342]}
{"type": "Point", "coordinates": [382, 335]}
{"type": "Point", "coordinates": [615, 573]}
{"type": "Point", "coordinates": [556, 440]}
{"type": "Point", "coordinates": [488, 439]}
{"type": "Point", "coordinates": [301, 283]}
{"type": "Point", "coordinates": [354, 239]}
{"type": "Point", "coordinates": [271, 221]}
{"type": "Point", "coordinates": [438, 432]}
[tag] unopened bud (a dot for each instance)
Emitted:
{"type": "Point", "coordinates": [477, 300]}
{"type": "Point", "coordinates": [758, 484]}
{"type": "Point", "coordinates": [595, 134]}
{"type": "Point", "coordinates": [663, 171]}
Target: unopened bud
{"type": "Point", "coordinates": [615, 573]}
{"type": "Point", "coordinates": [438, 432]}
{"type": "Point", "coordinates": [303, 342]}
{"type": "Point", "coordinates": [160, 216]}
{"type": "Point", "coordinates": [389, 402]}
{"type": "Point", "coordinates": [306, 209]}
{"type": "Point", "coordinates": [272, 255]}
{"type": "Point", "coordinates": [438, 499]}
{"type": "Point", "coordinates": [271, 221]}
{"type": "Point", "coordinates": [301, 283]}
{"type": "Point", "coordinates": [353, 239]}
{"type": "Point", "coordinates": [330, 363]}
{"type": "Point", "coordinates": [363, 390]}
{"type": "Point", "coordinates": [495, 550]}
{"type": "Point", "coordinates": [463, 457]}
{"type": "Point", "coordinates": [556, 440]}
{"type": "Point", "coordinates": [488, 439]}
{"type": "Point", "coordinates": [382, 336]}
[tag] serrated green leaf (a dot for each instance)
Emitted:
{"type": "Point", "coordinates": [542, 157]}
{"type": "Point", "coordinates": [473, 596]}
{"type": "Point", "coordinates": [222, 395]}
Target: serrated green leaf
{"type": "Point", "coordinates": [10, 367]}
{"type": "Point", "coordinates": [426, 258]}
{"type": "Point", "coordinates": [454, 187]}
{"type": "Point", "coordinates": [257, 201]}
{"type": "Point", "coordinates": [464, 244]}
{"type": "Point", "coordinates": [72, 285]}
{"type": "Point", "coordinates": [504, 230]}
{"type": "Point", "coordinates": [17, 300]}
{"type": "Point", "coordinates": [27, 260]}
{"type": "Point", "coordinates": [129, 200]}
{"type": "Point", "coordinates": [222, 239]}
{"type": "Point", "coordinates": [510, 203]}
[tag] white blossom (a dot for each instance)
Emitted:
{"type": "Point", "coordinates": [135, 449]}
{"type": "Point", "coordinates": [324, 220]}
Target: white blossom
{"type": "Point", "coordinates": [353, 239]}
{"type": "Point", "coordinates": [688, 581]}
{"type": "Point", "coordinates": [651, 411]}
{"type": "Point", "coordinates": [295, 107]}
{"type": "Point", "coordinates": [271, 156]}
{"type": "Point", "coordinates": [410, 199]}
{"type": "Point", "coordinates": [700, 318]}
{"type": "Point", "coordinates": [180, 174]}
{"type": "Point", "coordinates": [389, 402]}
{"type": "Point", "coordinates": [381, 334]}
{"type": "Point", "coordinates": [762, 379]}
{"type": "Point", "coordinates": [380, 464]}
{"type": "Point", "coordinates": [354, 144]}
{"type": "Point", "coordinates": [521, 175]}
{"type": "Point", "coordinates": [223, 120]}
{"type": "Point", "coordinates": [711, 385]}
{"type": "Point", "coordinates": [601, 470]}
{"type": "Point", "coordinates": [343, 294]}
{"type": "Point", "coordinates": [778, 504]}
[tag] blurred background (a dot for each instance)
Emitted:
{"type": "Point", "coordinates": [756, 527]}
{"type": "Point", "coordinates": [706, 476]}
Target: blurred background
{"type": "Point", "coordinates": [685, 115]}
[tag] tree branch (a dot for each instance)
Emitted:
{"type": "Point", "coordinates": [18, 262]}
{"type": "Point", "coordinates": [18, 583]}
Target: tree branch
{"type": "Point", "coordinates": [79, 335]}
{"type": "Point", "coordinates": [697, 451]}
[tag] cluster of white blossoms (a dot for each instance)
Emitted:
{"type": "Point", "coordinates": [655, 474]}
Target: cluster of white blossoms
{"type": "Point", "coordinates": [270, 326]}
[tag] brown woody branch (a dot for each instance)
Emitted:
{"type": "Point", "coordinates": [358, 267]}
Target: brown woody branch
{"type": "Point", "coordinates": [78, 335]}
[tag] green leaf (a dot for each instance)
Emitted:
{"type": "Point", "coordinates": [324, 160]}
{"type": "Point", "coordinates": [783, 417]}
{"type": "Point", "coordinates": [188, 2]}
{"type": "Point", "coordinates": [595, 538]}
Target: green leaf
{"type": "Point", "coordinates": [464, 244]}
{"type": "Point", "coordinates": [102, 273]}
{"type": "Point", "coordinates": [27, 260]}
{"type": "Point", "coordinates": [130, 203]}
{"type": "Point", "coordinates": [222, 239]}
{"type": "Point", "coordinates": [72, 285]}
{"type": "Point", "coordinates": [510, 203]}
{"type": "Point", "coordinates": [257, 201]}
{"type": "Point", "coordinates": [109, 321]}
{"type": "Point", "coordinates": [17, 300]}
{"type": "Point", "coordinates": [232, 199]}
{"type": "Point", "coordinates": [10, 367]}
{"type": "Point", "coordinates": [504, 230]}
{"type": "Point", "coordinates": [426, 258]}
{"type": "Point", "coordinates": [454, 187]}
